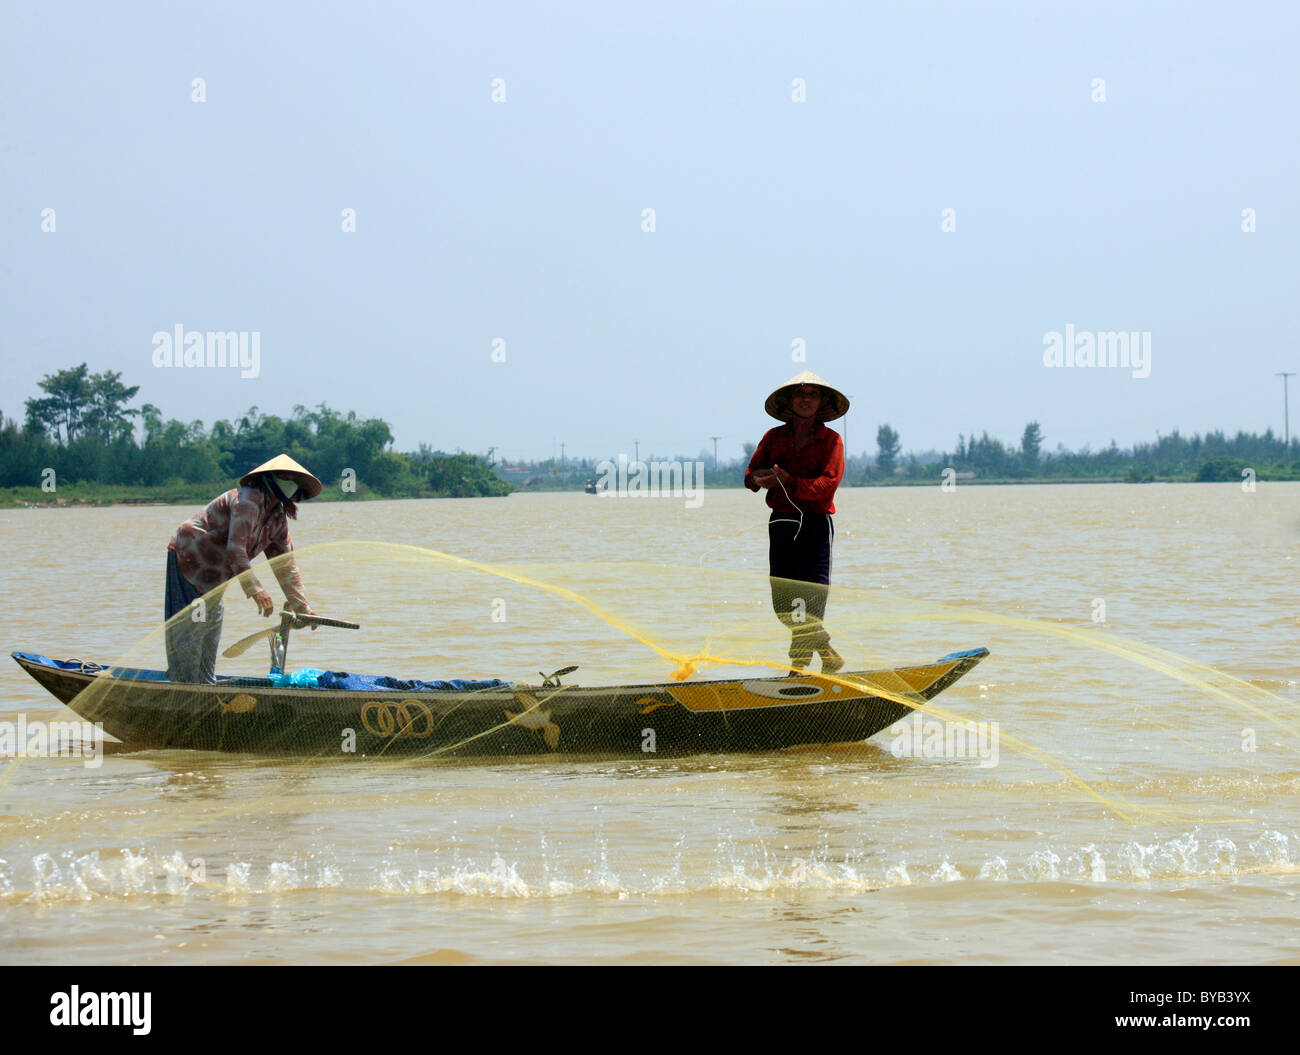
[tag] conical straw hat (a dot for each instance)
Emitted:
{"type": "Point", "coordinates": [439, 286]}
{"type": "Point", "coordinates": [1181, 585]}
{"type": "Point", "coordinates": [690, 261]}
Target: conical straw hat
{"type": "Point", "coordinates": [778, 403]}
{"type": "Point", "coordinates": [282, 463]}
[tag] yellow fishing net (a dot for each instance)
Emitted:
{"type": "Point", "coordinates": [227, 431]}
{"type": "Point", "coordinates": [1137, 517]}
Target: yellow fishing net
{"type": "Point", "coordinates": [680, 677]}
{"type": "Point", "coordinates": [446, 633]}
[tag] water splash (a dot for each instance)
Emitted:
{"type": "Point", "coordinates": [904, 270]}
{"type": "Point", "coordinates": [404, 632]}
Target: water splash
{"type": "Point", "coordinates": [731, 868]}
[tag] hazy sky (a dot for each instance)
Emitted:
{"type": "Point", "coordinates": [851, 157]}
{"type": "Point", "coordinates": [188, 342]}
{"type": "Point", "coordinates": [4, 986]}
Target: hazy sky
{"type": "Point", "coordinates": [775, 220]}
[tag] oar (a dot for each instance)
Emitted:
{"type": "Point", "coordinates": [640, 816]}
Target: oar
{"type": "Point", "coordinates": [245, 643]}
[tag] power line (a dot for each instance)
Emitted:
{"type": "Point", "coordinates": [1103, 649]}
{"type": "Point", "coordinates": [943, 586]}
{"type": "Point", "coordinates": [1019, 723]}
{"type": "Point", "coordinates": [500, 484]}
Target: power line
{"type": "Point", "coordinates": [1286, 409]}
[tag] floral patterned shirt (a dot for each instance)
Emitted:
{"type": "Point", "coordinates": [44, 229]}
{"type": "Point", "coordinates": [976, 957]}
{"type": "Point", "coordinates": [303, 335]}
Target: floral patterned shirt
{"type": "Point", "coordinates": [219, 542]}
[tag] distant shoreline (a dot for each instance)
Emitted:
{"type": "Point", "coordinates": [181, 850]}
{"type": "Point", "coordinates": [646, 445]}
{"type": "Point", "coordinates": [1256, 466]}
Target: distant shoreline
{"type": "Point", "coordinates": [103, 496]}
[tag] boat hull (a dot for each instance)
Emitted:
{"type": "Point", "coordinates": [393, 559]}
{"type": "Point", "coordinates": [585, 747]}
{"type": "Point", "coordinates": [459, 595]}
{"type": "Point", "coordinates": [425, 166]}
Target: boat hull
{"type": "Point", "coordinates": [251, 715]}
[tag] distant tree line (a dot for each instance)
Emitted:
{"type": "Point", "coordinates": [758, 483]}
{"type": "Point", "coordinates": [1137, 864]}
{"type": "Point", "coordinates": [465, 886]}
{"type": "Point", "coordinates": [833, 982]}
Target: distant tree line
{"type": "Point", "coordinates": [1215, 456]}
{"type": "Point", "coordinates": [83, 428]}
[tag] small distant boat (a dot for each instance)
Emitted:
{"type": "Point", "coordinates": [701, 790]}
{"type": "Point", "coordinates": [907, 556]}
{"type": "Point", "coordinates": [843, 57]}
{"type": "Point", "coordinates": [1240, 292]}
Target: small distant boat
{"type": "Point", "coordinates": [256, 715]}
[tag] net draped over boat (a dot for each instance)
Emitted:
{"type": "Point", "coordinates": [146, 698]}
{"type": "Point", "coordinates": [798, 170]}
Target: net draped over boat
{"type": "Point", "coordinates": [671, 662]}
{"type": "Point", "coordinates": [453, 661]}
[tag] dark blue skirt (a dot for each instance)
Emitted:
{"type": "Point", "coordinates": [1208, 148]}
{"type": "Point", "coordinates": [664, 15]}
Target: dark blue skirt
{"type": "Point", "coordinates": [801, 552]}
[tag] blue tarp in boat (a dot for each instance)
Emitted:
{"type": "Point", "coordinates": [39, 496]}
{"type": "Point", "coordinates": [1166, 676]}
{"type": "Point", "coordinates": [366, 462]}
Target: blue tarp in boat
{"type": "Point", "coordinates": [307, 678]}
{"type": "Point", "coordinates": [334, 679]}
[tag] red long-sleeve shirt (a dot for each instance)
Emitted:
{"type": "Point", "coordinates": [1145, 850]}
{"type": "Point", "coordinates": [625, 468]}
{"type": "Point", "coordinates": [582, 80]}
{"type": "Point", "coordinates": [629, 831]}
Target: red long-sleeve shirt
{"type": "Point", "coordinates": [816, 469]}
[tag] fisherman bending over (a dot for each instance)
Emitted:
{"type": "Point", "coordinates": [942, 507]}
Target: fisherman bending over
{"type": "Point", "coordinates": [216, 545]}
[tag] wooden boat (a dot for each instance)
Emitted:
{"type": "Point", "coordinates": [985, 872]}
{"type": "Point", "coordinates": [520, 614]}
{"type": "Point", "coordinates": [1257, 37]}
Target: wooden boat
{"type": "Point", "coordinates": [252, 714]}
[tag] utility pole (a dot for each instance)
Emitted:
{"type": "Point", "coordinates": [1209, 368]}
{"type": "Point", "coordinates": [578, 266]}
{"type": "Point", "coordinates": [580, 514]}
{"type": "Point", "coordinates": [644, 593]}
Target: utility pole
{"type": "Point", "coordinates": [715, 451]}
{"type": "Point", "coordinates": [1286, 410]}
{"type": "Point", "coordinates": [637, 445]}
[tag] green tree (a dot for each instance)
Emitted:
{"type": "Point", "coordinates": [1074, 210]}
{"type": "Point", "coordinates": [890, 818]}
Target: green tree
{"type": "Point", "coordinates": [152, 419]}
{"type": "Point", "coordinates": [464, 476]}
{"type": "Point", "coordinates": [60, 413]}
{"type": "Point", "coordinates": [988, 456]}
{"type": "Point", "coordinates": [887, 444]}
{"type": "Point", "coordinates": [107, 415]}
{"type": "Point", "coordinates": [1031, 443]}
{"type": "Point", "coordinates": [1219, 468]}
{"type": "Point", "coordinates": [23, 454]}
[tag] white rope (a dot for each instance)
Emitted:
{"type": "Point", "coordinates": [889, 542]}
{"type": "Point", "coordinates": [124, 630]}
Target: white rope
{"type": "Point", "coordinates": [791, 501]}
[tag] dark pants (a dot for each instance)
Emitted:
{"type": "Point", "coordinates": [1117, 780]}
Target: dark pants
{"type": "Point", "coordinates": [195, 632]}
{"type": "Point", "coordinates": [799, 560]}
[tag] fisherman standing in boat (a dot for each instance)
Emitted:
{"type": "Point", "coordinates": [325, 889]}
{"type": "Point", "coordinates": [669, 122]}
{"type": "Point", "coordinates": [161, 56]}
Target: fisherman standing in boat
{"type": "Point", "coordinates": [800, 464]}
{"type": "Point", "coordinates": [217, 545]}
